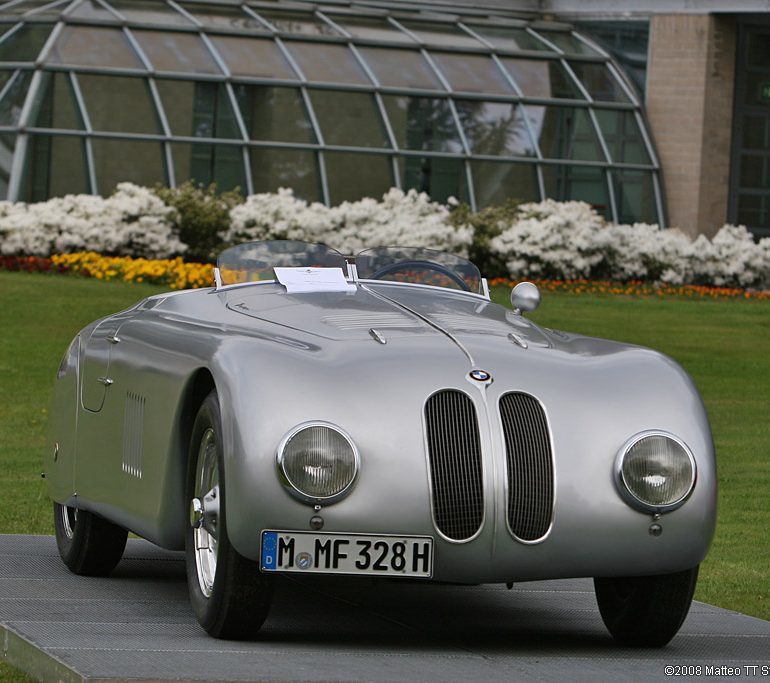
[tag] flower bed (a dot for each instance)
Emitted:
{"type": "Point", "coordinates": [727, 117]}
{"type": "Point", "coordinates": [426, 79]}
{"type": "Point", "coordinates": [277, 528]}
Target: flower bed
{"type": "Point", "coordinates": [180, 275]}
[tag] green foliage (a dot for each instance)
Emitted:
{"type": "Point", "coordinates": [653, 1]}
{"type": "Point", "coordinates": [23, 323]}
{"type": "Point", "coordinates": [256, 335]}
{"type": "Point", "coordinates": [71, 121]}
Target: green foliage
{"type": "Point", "coordinates": [487, 224]}
{"type": "Point", "coordinates": [202, 214]}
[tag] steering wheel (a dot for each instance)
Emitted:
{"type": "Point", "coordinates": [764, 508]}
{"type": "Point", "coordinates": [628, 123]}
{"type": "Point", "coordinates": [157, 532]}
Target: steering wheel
{"type": "Point", "coordinates": [426, 265]}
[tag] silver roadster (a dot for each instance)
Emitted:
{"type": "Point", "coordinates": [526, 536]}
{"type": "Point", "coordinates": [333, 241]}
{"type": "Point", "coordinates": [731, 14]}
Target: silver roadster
{"type": "Point", "coordinates": [378, 416]}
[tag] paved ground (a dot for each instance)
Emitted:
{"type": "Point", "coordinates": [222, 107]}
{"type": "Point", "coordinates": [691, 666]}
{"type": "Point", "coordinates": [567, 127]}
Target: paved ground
{"type": "Point", "coordinates": [137, 625]}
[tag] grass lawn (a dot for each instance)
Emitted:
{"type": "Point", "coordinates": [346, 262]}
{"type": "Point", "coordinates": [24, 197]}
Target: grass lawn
{"type": "Point", "coordinates": [724, 345]}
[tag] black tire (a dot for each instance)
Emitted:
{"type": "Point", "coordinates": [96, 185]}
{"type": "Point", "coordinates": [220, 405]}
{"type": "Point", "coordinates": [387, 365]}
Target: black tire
{"type": "Point", "coordinates": [645, 611]}
{"type": "Point", "coordinates": [88, 544]}
{"type": "Point", "coordinates": [231, 599]}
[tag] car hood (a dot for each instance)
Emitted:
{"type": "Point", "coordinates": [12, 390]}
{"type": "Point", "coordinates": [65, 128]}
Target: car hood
{"type": "Point", "coordinates": [476, 326]}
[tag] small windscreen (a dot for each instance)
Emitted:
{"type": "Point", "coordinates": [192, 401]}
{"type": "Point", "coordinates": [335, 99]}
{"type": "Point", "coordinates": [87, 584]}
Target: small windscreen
{"type": "Point", "coordinates": [417, 265]}
{"type": "Point", "coordinates": [254, 261]}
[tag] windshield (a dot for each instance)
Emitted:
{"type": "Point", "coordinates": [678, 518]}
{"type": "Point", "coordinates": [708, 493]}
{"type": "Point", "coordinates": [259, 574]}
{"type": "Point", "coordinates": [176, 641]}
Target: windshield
{"type": "Point", "coordinates": [254, 261]}
{"type": "Point", "coordinates": [420, 266]}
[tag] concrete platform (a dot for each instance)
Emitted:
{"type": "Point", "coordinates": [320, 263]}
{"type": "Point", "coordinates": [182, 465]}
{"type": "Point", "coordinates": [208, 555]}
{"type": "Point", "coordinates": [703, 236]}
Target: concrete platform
{"type": "Point", "coordinates": [137, 626]}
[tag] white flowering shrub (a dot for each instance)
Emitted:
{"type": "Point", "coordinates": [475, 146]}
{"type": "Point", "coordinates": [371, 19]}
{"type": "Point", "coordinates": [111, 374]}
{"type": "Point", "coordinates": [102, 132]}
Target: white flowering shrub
{"type": "Point", "coordinates": [277, 216]}
{"type": "Point", "coordinates": [570, 240]}
{"type": "Point", "coordinates": [408, 219]}
{"type": "Point", "coordinates": [732, 259]}
{"type": "Point", "coordinates": [133, 221]}
{"type": "Point", "coordinates": [403, 219]}
{"type": "Point", "coordinates": [549, 239]}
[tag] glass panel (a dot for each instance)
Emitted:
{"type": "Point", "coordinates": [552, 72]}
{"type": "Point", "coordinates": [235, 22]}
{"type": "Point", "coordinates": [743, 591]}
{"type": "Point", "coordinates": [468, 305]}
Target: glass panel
{"type": "Point", "coordinates": [413, 264]}
{"type": "Point", "coordinates": [7, 145]}
{"type": "Point", "coordinates": [176, 52]}
{"type": "Point", "coordinates": [57, 107]}
{"type": "Point", "coordinates": [13, 100]}
{"type": "Point", "coordinates": [222, 16]}
{"type": "Point", "coordinates": [119, 103]}
{"type": "Point", "coordinates": [755, 172]}
{"type": "Point", "coordinates": [442, 34]}
{"type": "Point", "coordinates": [327, 63]}
{"type": "Point", "coordinates": [353, 176]}
{"type": "Point", "coordinates": [496, 182]}
{"type": "Point", "coordinates": [146, 167]}
{"type": "Point", "coordinates": [199, 110]}
{"type": "Point", "coordinates": [565, 133]}
{"type": "Point", "coordinates": [542, 78]}
{"type": "Point", "coordinates": [440, 178]}
{"type": "Point", "coordinates": [568, 43]}
{"type": "Point", "coordinates": [276, 114]}
{"type": "Point", "coordinates": [297, 169]}
{"type": "Point", "coordinates": [349, 118]}
{"type": "Point", "coordinates": [599, 82]}
{"type": "Point", "coordinates": [253, 57]}
{"type": "Point", "coordinates": [756, 132]}
{"type": "Point", "coordinates": [55, 166]}
{"type": "Point", "coordinates": [25, 44]}
{"type": "Point", "coordinates": [622, 135]}
{"type": "Point", "coordinates": [754, 213]}
{"type": "Point", "coordinates": [509, 38]}
{"type": "Point", "coordinates": [635, 196]}
{"type": "Point", "coordinates": [150, 12]}
{"type": "Point", "coordinates": [4, 78]}
{"type": "Point", "coordinates": [758, 51]}
{"type": "Point", "coordinates": [91, 9]}
{"type": "Point", "coordinates": [297, 22]}
{"type": "Point", "coordinates": [423, 123]}
{"type": "Point", "coordinates": [254, 261]}
{"type": "Point", "coordinates": [757, 89]}
{"type": "Point", "coordinates": [206, 164]}
{"type": "Point", "coordinates": [472, 73]}
{"type": "Point", "coordinates": [400, 68]}
{"type": "Point", "coordinates": [496, 128]}
{"type": "Point", "coordinates": [26, 7]}
{"type": "Point", "coordinates": [93, 46]}
{"type": "Point", "coordinates": [371, 28]}
{"type": "Point", "coordinates": [586, 184]}
{"type": "Point", "coordinates": [627, 42]}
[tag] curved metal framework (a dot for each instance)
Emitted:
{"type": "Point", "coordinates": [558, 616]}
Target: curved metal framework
{"type": "Point", "coordinates": [339, 102]}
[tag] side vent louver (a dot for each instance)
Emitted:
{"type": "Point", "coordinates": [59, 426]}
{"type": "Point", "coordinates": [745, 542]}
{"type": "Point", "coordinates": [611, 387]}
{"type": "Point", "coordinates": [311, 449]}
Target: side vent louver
{"type": "Point", "coordinates": [133, 432]}
{"type": "Point", "coordinates": [454, 450]}
{"type": "Point", "coordinates": [530, 466]}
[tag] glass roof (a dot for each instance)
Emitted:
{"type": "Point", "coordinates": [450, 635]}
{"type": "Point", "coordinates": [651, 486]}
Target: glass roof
{"type": "Point", "coordinates": [337, 101]}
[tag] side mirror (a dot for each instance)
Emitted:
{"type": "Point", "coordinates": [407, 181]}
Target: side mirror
{"type": "Point", "coordinates": [525, 297]}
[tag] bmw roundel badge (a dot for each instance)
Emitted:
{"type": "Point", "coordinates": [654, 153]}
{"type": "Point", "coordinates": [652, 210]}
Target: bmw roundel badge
{"type": "Point", "coordinates": [480, 375]}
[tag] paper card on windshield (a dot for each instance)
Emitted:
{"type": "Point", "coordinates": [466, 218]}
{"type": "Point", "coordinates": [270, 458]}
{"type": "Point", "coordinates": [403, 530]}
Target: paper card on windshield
{"type": "Point", "coordinates": [299, 280]}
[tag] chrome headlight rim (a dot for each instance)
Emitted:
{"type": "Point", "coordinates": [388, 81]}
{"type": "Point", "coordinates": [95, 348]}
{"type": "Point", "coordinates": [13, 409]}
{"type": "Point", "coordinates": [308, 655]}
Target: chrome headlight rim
{"type": "Point", "coordinates": [629, 496]}
{"type": "Point", "coordinates": [289, 484]}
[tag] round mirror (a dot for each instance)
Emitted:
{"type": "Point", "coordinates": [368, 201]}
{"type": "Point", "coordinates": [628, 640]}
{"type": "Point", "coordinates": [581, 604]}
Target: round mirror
{"type": "Point", "coordinates": [525, 297]}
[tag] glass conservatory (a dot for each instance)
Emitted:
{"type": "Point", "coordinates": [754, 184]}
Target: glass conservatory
{"type": "Point", "coordinates": [336, 100]}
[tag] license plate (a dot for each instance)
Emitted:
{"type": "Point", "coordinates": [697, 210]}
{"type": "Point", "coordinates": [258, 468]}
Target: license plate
{"type": "Point", "coordinates": [301, 551]}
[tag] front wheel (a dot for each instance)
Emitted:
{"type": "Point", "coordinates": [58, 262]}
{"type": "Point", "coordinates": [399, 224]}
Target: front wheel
{"type": "Point", "coordinates": [88, 544]}
{"type": "Point", "coordinates": [229, 595]}
{"type": "Point", "coordinates": [645, 611]}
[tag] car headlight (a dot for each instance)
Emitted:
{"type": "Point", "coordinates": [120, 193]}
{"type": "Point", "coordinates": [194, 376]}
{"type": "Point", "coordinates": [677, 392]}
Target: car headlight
{"type": "Point", "coordinates": [318, 462]}
{"type": "Point", "coordinates": [655, 471]}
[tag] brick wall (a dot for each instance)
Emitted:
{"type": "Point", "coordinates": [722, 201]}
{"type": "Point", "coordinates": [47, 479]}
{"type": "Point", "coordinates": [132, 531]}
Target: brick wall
{"type": "Point", "coordinates": [690, 83]}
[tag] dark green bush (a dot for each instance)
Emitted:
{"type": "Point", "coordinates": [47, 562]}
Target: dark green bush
{"type": "Point", "coordinates": [486, 224]}
{"type": "Point", "coordinates": [202, 214]}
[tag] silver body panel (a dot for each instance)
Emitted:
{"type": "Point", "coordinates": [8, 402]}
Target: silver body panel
{"type": "Point", "coordinates": [279, 360]}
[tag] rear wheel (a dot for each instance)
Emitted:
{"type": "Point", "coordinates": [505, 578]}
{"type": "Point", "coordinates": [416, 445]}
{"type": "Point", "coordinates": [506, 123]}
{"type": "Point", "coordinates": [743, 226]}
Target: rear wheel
{"type": "Point", "coordinates": [645, 611]}
{"type": "Point", "coordinates": [88, 544]}
{"type": "Point", "coordinates": [229, 595]}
